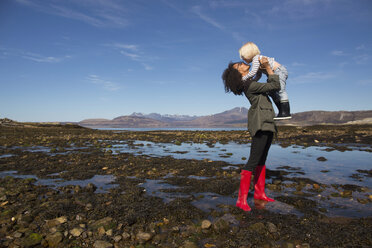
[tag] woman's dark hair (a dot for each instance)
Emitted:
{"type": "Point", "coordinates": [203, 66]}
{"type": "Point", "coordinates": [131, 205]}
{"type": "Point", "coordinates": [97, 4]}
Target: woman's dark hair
{"type": "Point", "coordinates": [232, 80]}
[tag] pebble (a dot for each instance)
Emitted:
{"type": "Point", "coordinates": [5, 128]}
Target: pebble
{"type": "Point", "coordinates": [321, 159]}
{"type": "Point", "coordinates": [206, 224]}
{"type": "Point", "coordinates": [125, 236]}
{"type": "Point", "coordinates": [109, 232]}
{"type": "Point", "coordinates": [220, 225]}
{"type": "Point", "coordinates": [117, 238]}
{"type": "Point", "coordinates": [189, 244]}
{"type": "Point", "coordinates": [76, 232]}
{"type": "Point", "coordinates": [56, 221]}
{"type": "Point", "coordinates": [258, 227]}
{"type": "Point", "coordinates": [143, 237]}
{"type": "Point", "coordinates": [271, 227]}
{"type": "Point", "coordinates": [102, 244]}
{"type": "Point", "coordinates": [54, 239]}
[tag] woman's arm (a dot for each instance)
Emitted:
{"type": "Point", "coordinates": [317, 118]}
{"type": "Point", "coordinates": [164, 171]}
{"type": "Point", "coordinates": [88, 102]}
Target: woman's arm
{"type": "Point", "coordinates": [271, 85]}
{"type": "Point", "coordinates": [272, 80]}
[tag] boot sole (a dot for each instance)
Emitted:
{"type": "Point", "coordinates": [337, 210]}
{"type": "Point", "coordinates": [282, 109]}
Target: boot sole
{"type": "Point", "coordinates": [283, 118]}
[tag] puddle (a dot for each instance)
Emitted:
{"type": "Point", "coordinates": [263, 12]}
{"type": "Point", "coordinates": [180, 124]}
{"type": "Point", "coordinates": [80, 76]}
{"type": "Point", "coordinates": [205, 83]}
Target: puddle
{"type": "Point", "coordinates": [155, 187]}
{"type": "Point", "coordinates": [340, 164]}
{"type": "Point", "coordinates": [102, 182]}
{"type": "Point", "coordinates": [7, 155]}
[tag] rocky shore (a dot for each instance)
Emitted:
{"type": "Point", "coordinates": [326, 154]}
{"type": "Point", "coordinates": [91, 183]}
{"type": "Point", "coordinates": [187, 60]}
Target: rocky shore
{"type": "Point", "coordinates": [47, 200]}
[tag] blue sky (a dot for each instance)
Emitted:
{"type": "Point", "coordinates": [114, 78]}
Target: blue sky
{"type": "Point", "coordinates": [65, 60]}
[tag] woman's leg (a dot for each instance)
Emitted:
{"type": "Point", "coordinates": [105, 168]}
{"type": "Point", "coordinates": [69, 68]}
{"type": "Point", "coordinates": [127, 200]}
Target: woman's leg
{"type": "Point", "coordinates": [260, 173]}
{"type": "Point", "coordinates": [257, 148]}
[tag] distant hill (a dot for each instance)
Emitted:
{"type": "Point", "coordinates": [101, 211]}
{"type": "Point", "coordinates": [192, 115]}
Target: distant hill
{"type": "Point", "coordinates": [236, 117]}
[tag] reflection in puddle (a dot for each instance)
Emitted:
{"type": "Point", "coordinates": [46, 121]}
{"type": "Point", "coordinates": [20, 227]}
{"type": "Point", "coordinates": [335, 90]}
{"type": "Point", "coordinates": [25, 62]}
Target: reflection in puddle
{"type": "Point", "coordinates": [208, 201]}
{"type": "Point", "coordinates": [155, 187]}
{"type": "Point", "coordinates": [6, 156]}
{"type": "Point", "coordinates": [102, 182]}
{"type": "Point", "coordinates": [302, 160]}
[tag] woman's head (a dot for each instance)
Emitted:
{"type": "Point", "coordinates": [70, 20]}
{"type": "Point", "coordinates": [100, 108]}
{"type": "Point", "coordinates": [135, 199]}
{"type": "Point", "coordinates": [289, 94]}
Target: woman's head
{"type": "Point", "coordinates": [248, 51]}
{"type": "Point", "coordinates": [232, 78]}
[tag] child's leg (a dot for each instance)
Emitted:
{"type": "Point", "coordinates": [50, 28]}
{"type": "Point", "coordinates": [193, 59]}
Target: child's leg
{"type": "Point", "coordinates": [284, 111]}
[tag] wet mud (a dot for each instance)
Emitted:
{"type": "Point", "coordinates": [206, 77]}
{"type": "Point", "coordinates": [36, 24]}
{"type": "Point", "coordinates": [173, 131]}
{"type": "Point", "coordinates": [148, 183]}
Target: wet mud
{"type": "Point", "coordinates": [65, 186]}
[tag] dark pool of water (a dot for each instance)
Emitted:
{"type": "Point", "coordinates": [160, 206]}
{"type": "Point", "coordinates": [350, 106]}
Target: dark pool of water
{"type": "Point", "coordinates": [102, 182]}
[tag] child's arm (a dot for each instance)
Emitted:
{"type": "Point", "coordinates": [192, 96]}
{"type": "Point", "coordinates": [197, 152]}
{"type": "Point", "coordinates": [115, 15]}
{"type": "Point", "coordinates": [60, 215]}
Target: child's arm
{"type": "Point", "coordinates": [254, 68]}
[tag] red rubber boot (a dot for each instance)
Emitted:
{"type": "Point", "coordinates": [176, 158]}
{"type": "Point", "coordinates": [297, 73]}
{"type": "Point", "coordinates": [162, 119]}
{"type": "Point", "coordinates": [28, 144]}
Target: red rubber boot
{"type": "Point", "coordinates": [259, 184]}
{"type": "Point", "coordinates": [245, 182]}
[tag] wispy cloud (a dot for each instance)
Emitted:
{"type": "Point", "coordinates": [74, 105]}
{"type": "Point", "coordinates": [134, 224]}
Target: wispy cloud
{"type": "Point", "coordinates": [133, 52]}
{"type": "Point", "coordinates": [312, 77]}
{"type": "Point", "coordinates": [361, 47]}
{"type": "Point", "coordinates": [299, 9]}
{"type": "Point", "coordinates": [338, 53]}
{"type": "Point", "coordinates": [97, 13]}
{"type": "Point", "coordinates": [198, 11]}
{"type": "Point", "coordinates": [9, 52]}
{"type": "Point", "coordinates": [105, 84]}
{"type": "Point", "coordinates": [361, 58]}
{"type": "Point", "coordinates": [297, 64]}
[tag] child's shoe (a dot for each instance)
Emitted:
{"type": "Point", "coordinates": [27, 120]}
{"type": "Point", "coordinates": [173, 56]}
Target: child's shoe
{"type": "Point", "coordinates": [284, 112]}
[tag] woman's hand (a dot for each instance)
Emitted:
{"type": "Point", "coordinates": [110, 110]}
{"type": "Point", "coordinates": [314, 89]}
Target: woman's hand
{"type": "Point", "coordinates": [266, 66]}
{"type": "Point", "coordinates": [264, 62]}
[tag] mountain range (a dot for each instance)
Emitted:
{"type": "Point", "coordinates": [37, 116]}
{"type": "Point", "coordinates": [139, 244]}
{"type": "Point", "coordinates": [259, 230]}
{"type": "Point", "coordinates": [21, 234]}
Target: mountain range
{"type": "Point", "coordinates": [236, 117]}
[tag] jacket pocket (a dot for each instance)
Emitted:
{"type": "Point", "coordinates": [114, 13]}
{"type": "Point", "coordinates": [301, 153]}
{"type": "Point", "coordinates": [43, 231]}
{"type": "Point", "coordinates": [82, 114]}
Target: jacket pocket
{"type": "Point", "coordinates": [267, 114]}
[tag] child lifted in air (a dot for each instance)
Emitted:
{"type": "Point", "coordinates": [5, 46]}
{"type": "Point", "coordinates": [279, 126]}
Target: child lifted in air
{"type": "Point", "coordinates": [250, 53]}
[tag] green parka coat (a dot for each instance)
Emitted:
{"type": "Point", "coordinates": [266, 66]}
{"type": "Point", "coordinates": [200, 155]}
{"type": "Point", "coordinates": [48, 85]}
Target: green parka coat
{"type": "Point", "coordinates": [261, 113]}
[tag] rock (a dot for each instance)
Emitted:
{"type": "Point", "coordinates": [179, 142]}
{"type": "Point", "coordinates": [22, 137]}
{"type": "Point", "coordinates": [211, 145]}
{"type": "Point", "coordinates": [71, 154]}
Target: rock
{"type": "Point", "coordinates": [258, 227]}
{"type": "Point", "coordinates": [89, 207]}
{"type": "Point", "coordinates": [321, 159]}
{"type": "Point", "coordinates": [189, 244]}
{"type": "Point", "coordinates": [230, 219]}
{"type": "Point", "coordinates": [143, 237]}
{"type": "Point", "coordinates": [106, 223]}
{"type": "Point", "coordinates": [221, 225]}
{"type": "Point", "coordinates": [77, 189]}
{"type": "Point", "coordinates": [346, 193]}
{"type": "Point", "coordinates": [54, 239]}
{"type": "Point", "coordinates": [362, 201]}
{"type": "Point", "coordinates": [102, 244]}
{"type": "Point", "coordinates": [56, 221]}
{"type": "Point", "coordinates": [109, 232]}
{"type": "Point", "coordinates": [277, 182]}
{"type": "Point", "coordinates": [117, 238]}
{"type": "Point", "coordinates": [32, 240]}
{"type": "Point", "coordinates": [101, 231]}
{"type": "Point", "coordinates": [91, 187]}
{"type": "Point", "coordinates": [271, 227]}
{"type": "Point", "coordinates": [125, 236]}
{"type": "Point", "coordinates": [79, 217]}
{"type": "Point", "coordinates": [206, 224]}
{"type": "Point", "coordinates": [76, 232]}
{"type": "Point", "coordinates": [17, 234]}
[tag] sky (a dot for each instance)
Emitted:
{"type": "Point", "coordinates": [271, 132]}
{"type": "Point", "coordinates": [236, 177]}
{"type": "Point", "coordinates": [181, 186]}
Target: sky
{"type": "Point", "coordinates": [70, 60]}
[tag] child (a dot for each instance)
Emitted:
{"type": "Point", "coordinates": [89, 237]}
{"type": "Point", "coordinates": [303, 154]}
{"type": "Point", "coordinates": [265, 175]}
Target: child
{"type": "Point", "coordinates": [250, 53]}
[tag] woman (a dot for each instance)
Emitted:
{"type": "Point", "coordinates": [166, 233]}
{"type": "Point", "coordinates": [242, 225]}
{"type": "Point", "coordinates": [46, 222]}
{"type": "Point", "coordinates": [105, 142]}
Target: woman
{"type": "Point", "coordinates": [261, 125]}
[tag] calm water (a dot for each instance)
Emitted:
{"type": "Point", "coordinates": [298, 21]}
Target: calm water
{"type": "Point", "coordinates": [341, 165]}
{"type": "Point", "coordinates": [176, 129]}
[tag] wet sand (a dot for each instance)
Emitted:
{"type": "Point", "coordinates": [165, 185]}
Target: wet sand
{"type": "Point", "coordinates": [65, 186]}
